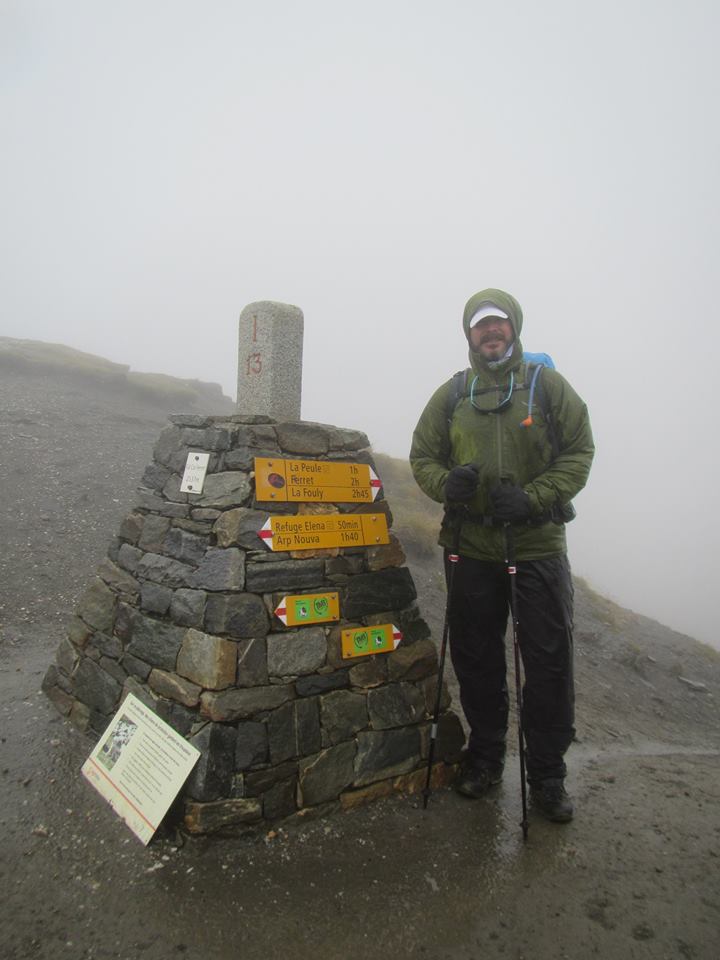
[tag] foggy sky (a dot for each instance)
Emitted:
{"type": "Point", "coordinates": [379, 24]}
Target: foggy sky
{"type": "Point", "coordinates": [166, 163]}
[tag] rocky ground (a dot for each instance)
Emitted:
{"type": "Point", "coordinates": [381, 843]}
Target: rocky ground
{"type": "Point", "coordinates": [634, 876]}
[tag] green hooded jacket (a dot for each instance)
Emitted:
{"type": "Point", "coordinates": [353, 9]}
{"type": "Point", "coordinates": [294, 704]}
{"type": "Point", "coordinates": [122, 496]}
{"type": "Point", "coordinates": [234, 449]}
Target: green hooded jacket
{"type": "Point", "coordinates": [501, 446]}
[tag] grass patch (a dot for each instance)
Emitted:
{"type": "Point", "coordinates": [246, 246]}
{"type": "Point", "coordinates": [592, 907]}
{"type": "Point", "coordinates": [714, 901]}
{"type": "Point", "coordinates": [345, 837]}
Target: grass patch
{"type": "Point", "coordinates": [36, 358]}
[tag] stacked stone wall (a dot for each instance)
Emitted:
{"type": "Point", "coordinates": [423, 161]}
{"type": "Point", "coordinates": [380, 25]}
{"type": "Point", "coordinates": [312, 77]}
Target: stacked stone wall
{"type": "Point", "coordinates": [181, 614]}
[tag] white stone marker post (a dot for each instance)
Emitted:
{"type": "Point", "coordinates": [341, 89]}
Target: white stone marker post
{"type": "Point", "coordinates": [270, 346]}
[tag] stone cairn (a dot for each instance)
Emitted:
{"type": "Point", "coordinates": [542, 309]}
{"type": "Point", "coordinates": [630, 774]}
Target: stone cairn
{"type": "Point", "coordinates": [181, 614]}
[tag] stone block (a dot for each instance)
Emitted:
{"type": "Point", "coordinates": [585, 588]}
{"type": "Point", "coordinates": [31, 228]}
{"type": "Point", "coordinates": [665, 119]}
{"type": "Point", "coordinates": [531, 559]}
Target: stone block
{"type": "Point", "coordinates": [272, 577]}
{"type": "Point", "coordinates": [224, 490]}
{"type": "Point", "coordinates": [169, 445]}
{"type": "Point", "coordinates": [141, 691]}
{"type": "Point", "coordinates": [260, 781]}
{"type": "Point", "coordinates": [369, 672]}
{"type": "Point", "coordinates": [281, 733]}
{"type": "Point", "coordinates": [135, 667]}
{"type": "Point", "coordinates": [97, 606]}
{"type": "Point", "coordinates": [155, 642]}
{"type": "Point", "coordinates": [221, 815]}
{"type": "Point", "coordinates": [79, 716]}
{"type": "Point", "coordinates": [344, 439]}
{"type": "Point", "coordinates": [207, 660]}
{"type": "Point", "coordinates": [252, 670]}
{"type": "Point", "coordinates": [62, 701]}
{"type": "Point", "coordinates": [297, 652]}
{"type": "Point", "coordinates": [325, 775]}
{"type": "Point", "coordinates": [187, 607]}
{"type": "Point", "coordinates": [279, 801]}
{"type": "Point", "coordinates": [173, 687]}
{"type": "Point", "coordinates": [309, 439]}
{"type": "Point", "coordinates": [429, 689]}
{"type": "Point", "coordinates": [210, 439]}
{"type": "Point", "coordinates": [294, 730]}
{"type": "Point", "coordinates": [172, 492]}
{"type": "Point", "coordinates": [113, 668]}
{"type": "Point", "coordinates": [164, 570]}
{"type": "Point", "coordinates": [131, 528]}
{"type": "Point", "coordinates": [241, 615]}
{"type": "Point", "coordinates": [251, 747]}
{"type": "Point", "coordinates": [386, 753]}
{"type": "Point", "coordinates": [243, 457]}
{"type": "Point", "coordinates": [155, 598]}
{"type": "Point", "coordinates": [66, 657]}
{"type": "Point", "coordinates": [78, 632]}
{"type": "Point", "coordinates": [154, 531]}
{"type": "Point", "coordinates": [211, 777]}
{"type": "Point", "coordinates": [395, 705]}
{"type": "Point", "coordinates": [386, 555]}
{"type": "Point", "coordinates": [119, 580]}
{"type": "Point", "coordinates": [154, 504]}
{"type": "Point", "coordinates": [229, 705]}
{"type": "Point", "coordinates": [155, 476]}
{"type": "Point", "coordinates": [96, 688]}
{"type": "Point", "coordinates": [415, 662]}
{"type": "Point", "coordinates": [185, 546]}
{"type": "Point", "coordinates": [342, 714]}
{"type": "Point", "coordinates": [220, 570]}
{"type": "Point", "coordinates": [411, 625]}
{"type": "Point", "coordinates": [321, 683]}
{"type": "Point", "coordinates": [239, 528]}
{"type": "Point", "coordinates": [408, 783]}
{"type": "Point", "coordinates": [390, 589]}
{"type": "Point", "coordinates": [180, 718]}
{"type": "Point", "coordinates": [307, 726]}
{"type": "Point", "coordinates": [205, 514]}
{"type": "Point", "coordinates": [129, 557]}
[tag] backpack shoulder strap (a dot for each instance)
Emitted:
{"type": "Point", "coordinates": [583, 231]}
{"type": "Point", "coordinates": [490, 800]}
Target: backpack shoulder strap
{"type": "Point", "coordinates": [455, 393]}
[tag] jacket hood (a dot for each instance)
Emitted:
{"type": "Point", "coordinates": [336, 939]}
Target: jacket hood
{"type": "Point", "coordinates": [511, 307]}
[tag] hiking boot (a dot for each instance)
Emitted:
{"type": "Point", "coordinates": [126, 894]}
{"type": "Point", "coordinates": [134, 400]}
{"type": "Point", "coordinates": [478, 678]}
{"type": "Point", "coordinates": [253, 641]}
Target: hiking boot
{"type": "Point", "coordinates": [552, 801]}
{"type": "Point", "coordinates": [475, 782]}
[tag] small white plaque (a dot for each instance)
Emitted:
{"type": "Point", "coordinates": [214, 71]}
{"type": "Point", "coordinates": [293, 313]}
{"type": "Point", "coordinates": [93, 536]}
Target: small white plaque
{"type": "Point", "coordinates": [195, 470]}
{"type": "Point", "coordinates": [139, 766]}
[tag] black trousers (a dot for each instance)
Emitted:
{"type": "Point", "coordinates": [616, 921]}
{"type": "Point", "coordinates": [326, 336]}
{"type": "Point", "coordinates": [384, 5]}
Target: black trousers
{"type": "Point", "coordinates": [479, 608]}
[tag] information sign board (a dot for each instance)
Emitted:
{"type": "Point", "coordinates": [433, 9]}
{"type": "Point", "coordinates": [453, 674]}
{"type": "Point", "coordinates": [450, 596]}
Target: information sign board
{"type": "Point", "coordinates": [308, 608]}
{"type": "Point", "coordinates": [193, 478]}
{"type": "Point", "coordinates": [139, 765]}
{"type": "Point", "coordinates": [325, 530]}
{"type": "Point", "coordinates": [319, 481]}
{"type": "Point", "coordinates": [364, 641]}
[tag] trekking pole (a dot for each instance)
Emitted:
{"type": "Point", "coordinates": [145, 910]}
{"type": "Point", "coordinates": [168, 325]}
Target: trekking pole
{"type": "Point", "coordinates": [453, 559]}
{"type": "Point", "coordinates": [512, 572]}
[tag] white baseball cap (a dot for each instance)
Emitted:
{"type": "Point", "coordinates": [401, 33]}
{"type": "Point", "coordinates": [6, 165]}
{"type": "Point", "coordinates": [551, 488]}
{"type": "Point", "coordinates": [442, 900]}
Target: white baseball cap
{"type": "Point", "coordinates": [489, 310]}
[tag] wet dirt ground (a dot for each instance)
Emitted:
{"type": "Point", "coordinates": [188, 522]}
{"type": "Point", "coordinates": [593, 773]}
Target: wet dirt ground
{"type": "Point", "coordinates": [634, 876]}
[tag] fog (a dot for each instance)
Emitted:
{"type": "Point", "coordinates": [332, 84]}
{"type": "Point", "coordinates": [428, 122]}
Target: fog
{"type": "Point", "coordinates": [166, 163]}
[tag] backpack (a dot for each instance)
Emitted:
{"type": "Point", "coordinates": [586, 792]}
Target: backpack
{"type": "Point", "coordinates": [562, 512]}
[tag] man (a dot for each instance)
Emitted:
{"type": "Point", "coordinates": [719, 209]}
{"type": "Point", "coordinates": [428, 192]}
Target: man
{"type": "Point", "coordinates": [507, 455]}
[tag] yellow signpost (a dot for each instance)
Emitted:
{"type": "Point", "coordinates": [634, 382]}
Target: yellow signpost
{"type": "Point", "coordinates": [319, 481]}
{"type": "Point", "coordinates": [308, 608]}
{"type": "Point", "coordinates": [364, 641]}
{"type": "Point", "coordinates": [325, 530]}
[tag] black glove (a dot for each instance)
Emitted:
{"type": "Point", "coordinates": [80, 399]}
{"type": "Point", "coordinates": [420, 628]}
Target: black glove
{"type": "Point", "coordinates": [510, 503]}
{"type": "Point", "coordinates": [461, 483]}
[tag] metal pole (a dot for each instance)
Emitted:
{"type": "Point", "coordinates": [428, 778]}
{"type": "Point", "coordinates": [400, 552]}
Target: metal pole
{"type": "Point", "coordinates": [512, 573]}
{"type": "Point", "coordinates": [453, 559]}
